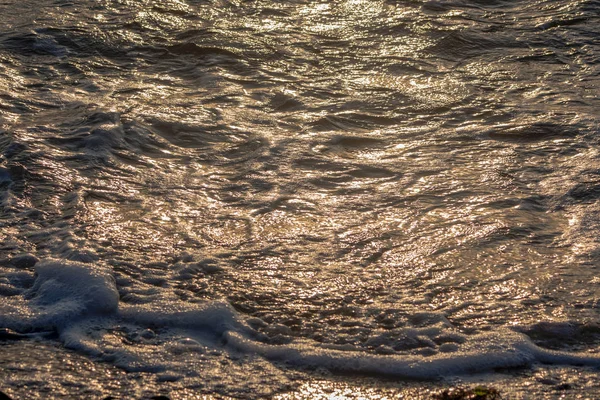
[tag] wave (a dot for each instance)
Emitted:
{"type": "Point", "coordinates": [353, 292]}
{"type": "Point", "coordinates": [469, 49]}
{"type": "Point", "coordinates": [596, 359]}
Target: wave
{"type": "Point", "coordinates": [79, 302]}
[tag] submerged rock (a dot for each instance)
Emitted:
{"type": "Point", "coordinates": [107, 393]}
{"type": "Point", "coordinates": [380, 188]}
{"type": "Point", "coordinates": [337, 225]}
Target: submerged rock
{"type": "Point", "coordinates": [9, 334]}
{"type": "Point", "coordinates": [476, 393]}
{"type": "Point", "coordinates": [23, 261]}
{"type": "Point", "coordinates": [4, 396]}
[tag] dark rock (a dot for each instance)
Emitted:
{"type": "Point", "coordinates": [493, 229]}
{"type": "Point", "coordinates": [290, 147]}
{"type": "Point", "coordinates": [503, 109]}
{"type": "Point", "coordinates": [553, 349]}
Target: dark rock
{"type": "Point", "coordinates": [476, 393]}
{"type": "Point", "coordinates": [563, 386]}
{"type": "Point", "coordinates": [23, 261]}
{"type": "Point", "coordinates": [9, 334]}
{"type": "Point", "coordinates": [4, 396]}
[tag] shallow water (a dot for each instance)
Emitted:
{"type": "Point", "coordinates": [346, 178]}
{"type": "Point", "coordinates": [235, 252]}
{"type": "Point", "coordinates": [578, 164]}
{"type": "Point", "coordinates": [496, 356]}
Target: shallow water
{"type": "Point", "coordinates": [238, 198]}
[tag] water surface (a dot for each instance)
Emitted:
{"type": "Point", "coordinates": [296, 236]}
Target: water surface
{"type": "Point", "coordinates": [237, 197]}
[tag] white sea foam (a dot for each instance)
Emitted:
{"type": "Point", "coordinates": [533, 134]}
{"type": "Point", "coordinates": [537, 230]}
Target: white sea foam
{"type": "Point", "coordinates": [216, 317]}
{"type": "Point", "coordinates": [81, 302]}
{"type": "Point", "coordinates": [66, 290]}
{"type": "Point", "coordinates": [485, 352]}
{"type": "Point", "coordinates": [62, 292]}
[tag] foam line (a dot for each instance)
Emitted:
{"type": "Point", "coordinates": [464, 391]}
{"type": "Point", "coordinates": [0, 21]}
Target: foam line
{"type": "Point", "coordinates": [504, 350]}
{"type": "Point", "coordinates": [81, 303]}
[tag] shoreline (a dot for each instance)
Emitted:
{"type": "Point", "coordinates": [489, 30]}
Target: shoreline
{"type": "Point", "coordinates": [35, 370]}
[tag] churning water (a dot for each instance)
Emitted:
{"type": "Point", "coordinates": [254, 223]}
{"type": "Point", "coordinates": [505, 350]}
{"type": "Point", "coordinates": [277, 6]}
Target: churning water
{"type": "Point", "coordinates": [247, 198]}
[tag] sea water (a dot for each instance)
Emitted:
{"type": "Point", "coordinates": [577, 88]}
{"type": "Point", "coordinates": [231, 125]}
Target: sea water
{"type": "Point", "coordinates": [299, 199]}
